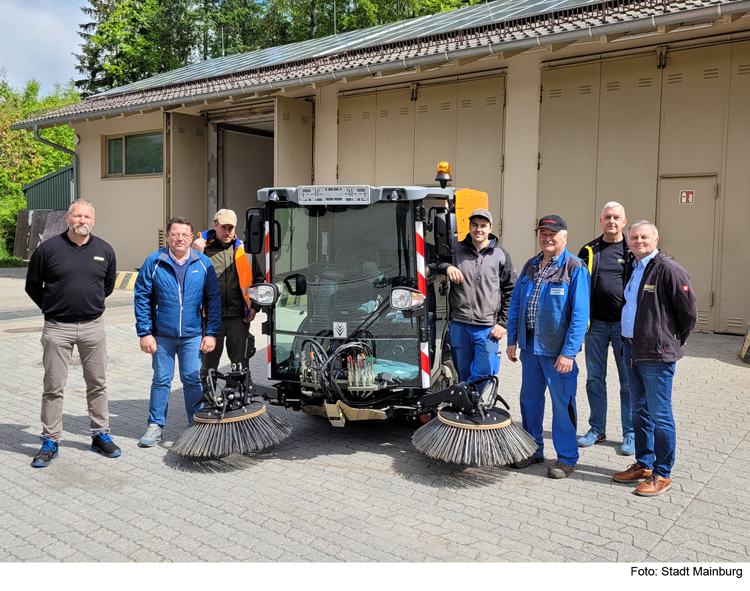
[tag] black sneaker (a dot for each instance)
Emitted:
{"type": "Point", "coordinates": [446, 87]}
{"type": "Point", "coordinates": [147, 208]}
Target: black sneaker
{"type": "Point", "coordinates": [104, 445]}
{"type": "Point", "coordinates": [46, 454]}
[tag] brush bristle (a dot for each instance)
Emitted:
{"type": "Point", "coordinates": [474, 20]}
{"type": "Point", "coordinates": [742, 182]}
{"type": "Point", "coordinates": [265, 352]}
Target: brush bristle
{"type": "Point", "coordinates": [474, 447]}
{"type": "Point", "coordinates": [217, 440]}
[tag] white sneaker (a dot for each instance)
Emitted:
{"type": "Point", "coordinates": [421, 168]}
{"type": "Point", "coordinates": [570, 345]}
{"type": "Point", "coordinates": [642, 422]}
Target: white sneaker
{"type": "Point", "coordinates": [151, 436]}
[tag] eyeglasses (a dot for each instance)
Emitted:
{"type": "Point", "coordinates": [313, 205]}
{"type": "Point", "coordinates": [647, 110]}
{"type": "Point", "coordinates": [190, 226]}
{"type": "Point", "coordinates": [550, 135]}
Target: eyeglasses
{"type": "Point", "coordinates": [185, 236]}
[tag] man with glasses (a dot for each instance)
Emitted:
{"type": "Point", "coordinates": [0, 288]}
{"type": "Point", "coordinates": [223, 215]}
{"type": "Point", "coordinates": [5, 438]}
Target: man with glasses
{"type": "Point", "coordinates": [176, 286]}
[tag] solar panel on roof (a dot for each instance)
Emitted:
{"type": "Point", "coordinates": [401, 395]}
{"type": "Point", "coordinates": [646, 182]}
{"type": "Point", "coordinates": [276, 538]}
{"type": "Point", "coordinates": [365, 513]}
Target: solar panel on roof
{"type": "Point", "coordinates": [471, 16]}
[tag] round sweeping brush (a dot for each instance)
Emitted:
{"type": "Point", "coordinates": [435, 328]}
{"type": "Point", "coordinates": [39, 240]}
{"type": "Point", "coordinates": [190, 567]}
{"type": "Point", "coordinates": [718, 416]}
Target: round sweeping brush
{"type": "Point", "coordinates": [491, 440]}
{"type": "Point", "coordinates": [248, 429]}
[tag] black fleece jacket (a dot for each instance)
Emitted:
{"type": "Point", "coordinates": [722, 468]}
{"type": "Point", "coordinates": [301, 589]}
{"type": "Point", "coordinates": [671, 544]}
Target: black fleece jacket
{"type": "Point", "coordinates": [69, 282]}
{"type": "Point", "coordinates": [666, 311]}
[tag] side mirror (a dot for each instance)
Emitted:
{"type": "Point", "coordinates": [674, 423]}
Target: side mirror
{"type": "Point", "coordinates": [253, 233]}
{"type": "Point", "coordinates": [296, 284]}
{"type": "Point", "coordinates": [264, 294]}
{"type": "Point", "coordinates": [446, 235]}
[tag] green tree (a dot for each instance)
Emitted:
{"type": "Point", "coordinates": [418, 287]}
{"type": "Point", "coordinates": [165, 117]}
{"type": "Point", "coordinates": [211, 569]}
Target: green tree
{"type": "Point", "coordinates": [22, 158]}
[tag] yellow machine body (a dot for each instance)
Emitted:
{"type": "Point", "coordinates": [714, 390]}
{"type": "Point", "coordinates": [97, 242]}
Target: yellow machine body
{"type": "Point", "coordinates": [468, 200]}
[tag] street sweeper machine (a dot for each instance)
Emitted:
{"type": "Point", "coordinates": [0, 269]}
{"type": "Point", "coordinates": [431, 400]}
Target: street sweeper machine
{"type": "Point", "coordinates": [357, 325]}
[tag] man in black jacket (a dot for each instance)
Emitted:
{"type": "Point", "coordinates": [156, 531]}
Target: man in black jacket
{"type": "Point", "coordinates": [659, 314]}
{"type": "Point", "coordinates": [68, 278]}
{"type": "Point", "coordinates": [606, 258]}
{"type": "Point", "coordinates": [483, 279]}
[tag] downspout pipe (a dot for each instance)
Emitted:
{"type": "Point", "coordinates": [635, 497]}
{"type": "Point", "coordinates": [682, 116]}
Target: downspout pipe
{"type": "Point", "coordinates": [39, 138]}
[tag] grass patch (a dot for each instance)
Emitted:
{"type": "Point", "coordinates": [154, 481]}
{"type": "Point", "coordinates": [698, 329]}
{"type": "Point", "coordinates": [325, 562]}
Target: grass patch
{"type": "Point", "coordinates": [8, 260]}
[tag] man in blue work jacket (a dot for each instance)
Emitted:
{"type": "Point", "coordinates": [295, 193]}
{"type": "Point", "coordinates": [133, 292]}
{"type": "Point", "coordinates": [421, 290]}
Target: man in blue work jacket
{"type": "Point", "coordinates": [175, 287]}
{"type": "Point", "coordinates": [548, 317]}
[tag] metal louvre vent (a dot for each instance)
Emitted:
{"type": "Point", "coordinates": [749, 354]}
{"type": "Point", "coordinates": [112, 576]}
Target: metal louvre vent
{"type": "Point", "coordinates": [366, 114]}
{"type": "Point", "coordinates": [555, 93]}
{"type": "Point", "coordinates": [710, 73]}
{"type": "Point", "coordinates": [199, 132]}
{"type": "Point", "coordinates": [466, 104]}
{"type": "Point", "coordinates": [735, 325]}
{"type": "Point", "coordinates": [404, 110]}
{"type": "Point", "coordinates": [674, 78]}
{"type": "Point", "coordinates": [347, 116]}
{"type": "Point", "coordinates": [422, 109]}
{"type": "Point", "coordinates": [286, 116]}
{"type": "Point", "coordinates": [702, 318]}
{"type": "Point", "coordinates": [490, 101]}
{"type": "Point", "coordinates": [445, 106]}
{"type": "Point", "coordinates": [743, 69]}
{"type": "Point", "coordinates": [180, 130]}
{"type": "Point", "coordinates": [304, 119]}
{"type": "Point", "coordinates": [162, 240]}
{"type": "Point", "coordinates": [584, 89]}
{"type": "Point", "coordinates": [612, 86]}
{"type": "Point", "coordinates": [384, 113]}
{"type": "Point", "coordinates": [645, 82]}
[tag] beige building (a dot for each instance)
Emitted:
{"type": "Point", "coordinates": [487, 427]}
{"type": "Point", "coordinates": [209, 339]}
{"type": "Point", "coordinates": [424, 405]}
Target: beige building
{"type": "Point", "coordinates": [549, 110]}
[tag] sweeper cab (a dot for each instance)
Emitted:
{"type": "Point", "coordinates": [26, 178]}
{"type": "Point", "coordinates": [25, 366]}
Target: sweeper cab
{"type": "Point", "coordinates": [357, 325]}
{"type": "Point", "coordinates": [357, 312]}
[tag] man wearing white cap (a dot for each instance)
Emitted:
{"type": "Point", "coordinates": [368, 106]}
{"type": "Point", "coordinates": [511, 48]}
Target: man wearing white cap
{"type": "Point", "coordinates": [235, 274]}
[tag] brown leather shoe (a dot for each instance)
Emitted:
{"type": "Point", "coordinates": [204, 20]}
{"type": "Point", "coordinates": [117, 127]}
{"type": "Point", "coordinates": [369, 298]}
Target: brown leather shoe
{"type": "Point", "coordinates": [633, 474]}
{"type": "Point", "coordinates": [654, 485]}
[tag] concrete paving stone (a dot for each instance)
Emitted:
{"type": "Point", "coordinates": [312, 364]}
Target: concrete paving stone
{"type": "Point", "coordinates": [627, 552]}
{"type": "Point", "coordinates": [715, 553]}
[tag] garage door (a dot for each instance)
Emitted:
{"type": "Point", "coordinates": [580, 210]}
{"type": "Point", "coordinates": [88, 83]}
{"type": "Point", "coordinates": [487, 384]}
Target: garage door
{"type": "Point", "coordinates": [399, 137]}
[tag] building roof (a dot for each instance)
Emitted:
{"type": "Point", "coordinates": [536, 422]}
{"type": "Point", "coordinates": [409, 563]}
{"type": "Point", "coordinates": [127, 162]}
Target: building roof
{"type": "Point", "coordinates": [499, 27]}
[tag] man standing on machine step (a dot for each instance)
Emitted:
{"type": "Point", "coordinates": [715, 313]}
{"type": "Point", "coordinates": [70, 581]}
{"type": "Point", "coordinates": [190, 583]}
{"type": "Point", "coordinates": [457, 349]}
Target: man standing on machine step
{"type": "Point", "coordinates": [547, 320]}
{"type": "Point", "coordinates": [235, 274]}
{"type": "Point", "coordinates": [606, 258]}
{"type": "Point", "coordinates": [483, 278]}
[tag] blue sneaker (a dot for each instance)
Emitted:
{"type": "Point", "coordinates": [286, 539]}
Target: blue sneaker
{"type": "Point", "coordinates": [46, 454]}
{"type": "Point", "coordinates": [590, 438]}
{"type": "Point", "coordinates": [102, 443]}
{"type": "Point", "coordinates": [628, 445]}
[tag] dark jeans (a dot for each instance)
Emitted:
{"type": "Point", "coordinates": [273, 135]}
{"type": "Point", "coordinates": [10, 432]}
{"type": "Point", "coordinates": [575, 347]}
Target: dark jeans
{"type": "Point", "coordinates": [598, 338]}
{"type": "Point", "coordinates": [651, 400]}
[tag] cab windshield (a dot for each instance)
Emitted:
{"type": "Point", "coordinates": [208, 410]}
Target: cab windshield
{"type": "Point", "coordinates": [335, 267]}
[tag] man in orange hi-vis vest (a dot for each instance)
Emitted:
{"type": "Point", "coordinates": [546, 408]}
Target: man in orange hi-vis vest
{"type": "Point", "coordinates": [235, 274]}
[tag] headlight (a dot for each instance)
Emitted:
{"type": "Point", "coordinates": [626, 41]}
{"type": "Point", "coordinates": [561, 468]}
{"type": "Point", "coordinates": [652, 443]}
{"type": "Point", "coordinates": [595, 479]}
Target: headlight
{"type": "Point", "coordinates": [406, 299]}
{"type": "Point", "coordinates": [264, 294]}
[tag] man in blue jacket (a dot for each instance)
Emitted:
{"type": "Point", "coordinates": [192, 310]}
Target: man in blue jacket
{"type": "Point", "coordinates": [547, 320]}
{"type": "Point", "coordinates": [175, 287]}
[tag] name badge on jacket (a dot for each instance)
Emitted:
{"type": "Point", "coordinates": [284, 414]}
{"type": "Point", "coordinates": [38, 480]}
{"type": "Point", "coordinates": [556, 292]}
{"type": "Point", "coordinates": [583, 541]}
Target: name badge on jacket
{"type": "Point", "coordinates": [557, 291]}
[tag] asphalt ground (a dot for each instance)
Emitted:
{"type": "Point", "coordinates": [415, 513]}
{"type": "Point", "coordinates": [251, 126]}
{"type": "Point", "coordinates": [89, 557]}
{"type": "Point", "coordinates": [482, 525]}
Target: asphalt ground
{"type": "Point", "coordinates": [361, 493]}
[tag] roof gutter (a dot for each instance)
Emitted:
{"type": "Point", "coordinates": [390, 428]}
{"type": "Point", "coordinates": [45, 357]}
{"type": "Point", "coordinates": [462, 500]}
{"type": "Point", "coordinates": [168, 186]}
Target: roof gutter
{"type": "Point", "coordinates": [39, 138]}
{"type": "Point", "coordinates": [675, 18]}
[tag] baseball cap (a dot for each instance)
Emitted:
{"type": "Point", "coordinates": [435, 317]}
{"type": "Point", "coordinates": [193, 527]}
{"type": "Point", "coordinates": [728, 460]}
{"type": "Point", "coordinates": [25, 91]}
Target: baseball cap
{"type": "Point", "coordinates": [553, 222]}
{"type": "Point", "coordinates": [226, 216]}
{"type": "Point", "coordinates": [481, 213]}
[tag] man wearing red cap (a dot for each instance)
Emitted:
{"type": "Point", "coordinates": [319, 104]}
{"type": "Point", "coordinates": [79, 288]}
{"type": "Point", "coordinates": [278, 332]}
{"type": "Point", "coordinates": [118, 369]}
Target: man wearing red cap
{"type": "Point", "coordinates": [547, 320]}
{"type": "Point", "coordinates": [235, 274]}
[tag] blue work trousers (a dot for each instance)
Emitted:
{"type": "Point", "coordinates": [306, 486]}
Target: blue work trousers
{"type": "Point", "coordinates": [187, 350]}
{"type": "Point", "coordinates": [650, 387]}
{"type": "Point", "coordinates": [539, 374]}
{"type": "Point", "coordinates": [474, 353]}
{"type": "Point", "coordinates": [598, 338]}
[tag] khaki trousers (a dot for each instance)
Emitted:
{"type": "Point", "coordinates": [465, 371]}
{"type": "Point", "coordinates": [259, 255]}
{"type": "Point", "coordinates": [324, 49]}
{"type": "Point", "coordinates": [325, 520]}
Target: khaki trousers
{"type": "Point", "coordinates": [58, 339]}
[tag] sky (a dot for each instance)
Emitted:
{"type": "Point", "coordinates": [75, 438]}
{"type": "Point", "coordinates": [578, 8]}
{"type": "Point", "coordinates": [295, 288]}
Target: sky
{"type": "Point", "coordinates": [37, 40]}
